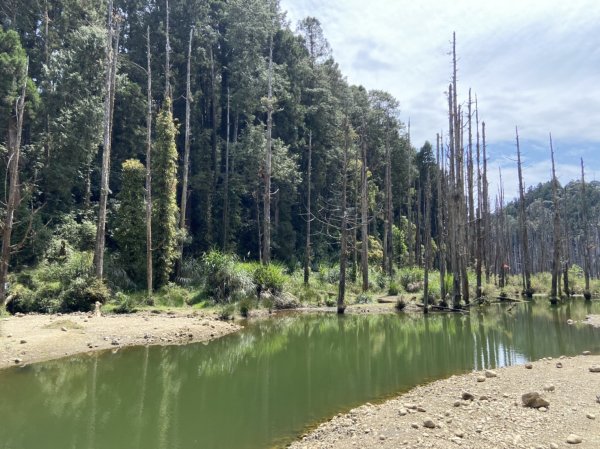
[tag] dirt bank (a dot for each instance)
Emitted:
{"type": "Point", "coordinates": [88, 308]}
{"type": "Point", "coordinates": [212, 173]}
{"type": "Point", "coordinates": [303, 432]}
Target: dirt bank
{"type": "Point", "coordinates": [437, 416]}
{"type": "Point", "coordinates": [34, 338]}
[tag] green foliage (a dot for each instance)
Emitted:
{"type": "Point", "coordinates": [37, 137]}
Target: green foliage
{"type": "Point", "coordinates": [130, 220]}
{"type": "Point", "coordinates": [172, 295]}
{"type": "Point", "coordinates": [329, 274]}
{"type": "Point", "coordinates": [224, 277]}
{"type": "Point", "coordinates": [269, 278]}
{"type": "Point", "coordinates": [164, 196]}
{"type": "Point", "coordinates": [393, 288]}
{"type": "Point", "coordinates": [400, 304]}
{"type": "Point", "coordinates": [226, 312]}
{"type": "Point", "coordinates": [364, 298]}
{"type": "Point", "coordinates": [82, 293]}
{"type": "Point", "coordinates": [411, 278]}
{"type": "Point", "coordinates": [246, 305]}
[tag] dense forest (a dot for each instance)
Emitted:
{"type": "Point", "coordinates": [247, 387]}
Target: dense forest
{"type": "Point", "coordinates": [146, 141]}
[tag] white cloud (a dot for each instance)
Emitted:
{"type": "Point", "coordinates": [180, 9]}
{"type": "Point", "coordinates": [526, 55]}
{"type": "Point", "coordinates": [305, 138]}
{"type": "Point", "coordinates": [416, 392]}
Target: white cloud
{"type": "Point", "coordinates": [532, 63]}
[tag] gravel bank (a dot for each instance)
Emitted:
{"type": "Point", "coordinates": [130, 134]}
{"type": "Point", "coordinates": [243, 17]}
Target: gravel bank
{"type": "Point", "coordinates": [35, 338]}
{"type": "Point", "coordinates": [492, 415]}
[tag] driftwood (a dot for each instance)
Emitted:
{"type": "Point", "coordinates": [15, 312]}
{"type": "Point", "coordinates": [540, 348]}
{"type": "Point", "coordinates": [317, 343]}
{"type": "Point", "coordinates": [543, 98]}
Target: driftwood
{"type": "Point", "coordinates": [442, 308]}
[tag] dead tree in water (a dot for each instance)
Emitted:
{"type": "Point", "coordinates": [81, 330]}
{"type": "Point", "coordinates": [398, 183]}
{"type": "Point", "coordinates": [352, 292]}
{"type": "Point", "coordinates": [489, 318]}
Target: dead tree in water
{"type": "Point", "coordinates": [586, 241]}
{"type": "Point", "coordinates": [441, 228]}
{"type": "Point", "coordinates": [526, 269]}
{"type": "Point", "coordinates": [427, 219]}
{"type": "Point", "coordinates": [556, 234]}
{"type": "Point", "coordinates": [478, 230]}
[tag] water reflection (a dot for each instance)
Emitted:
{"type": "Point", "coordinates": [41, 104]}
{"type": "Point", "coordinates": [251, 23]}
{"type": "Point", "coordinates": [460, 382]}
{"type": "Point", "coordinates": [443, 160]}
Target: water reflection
{"type": "Point", "coordinates": [264, 385]}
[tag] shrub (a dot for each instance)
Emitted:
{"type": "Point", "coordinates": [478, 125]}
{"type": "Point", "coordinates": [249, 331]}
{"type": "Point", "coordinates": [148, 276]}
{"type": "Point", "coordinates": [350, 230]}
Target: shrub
{"type": "Point", "coordinates": [223, 277]}
{"type": "Point", "coordinates": [269, 278]}
{"type": "Point", "coordinates": [245, 305]}
{"type": "Point", "coordinates": [172, 295]}
{"type": "Point", "coordinates": [82, 294]}
{"type": "Point", "coordinates": [329, 275]}
{"type": "Point", "coordinates": [125, 303]}
{"type": "Point", "coordinates": [364, 298]}
{"type": "Point", "coordinates": [226, 312]}
{"type": "Point", "coordinates": [393, 289]}
{"type": "Point", "coordinates": [400, 304]}
{"type": "Point", "coordinates": [410, 276]}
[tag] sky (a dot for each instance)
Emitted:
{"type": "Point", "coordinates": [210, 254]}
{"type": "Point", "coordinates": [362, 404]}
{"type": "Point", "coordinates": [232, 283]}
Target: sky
{"type": "Point", "coordinates": [534, 64]}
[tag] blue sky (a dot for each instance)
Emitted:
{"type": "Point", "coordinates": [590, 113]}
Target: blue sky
{"type": "Point", "coordinates": [532, 63]}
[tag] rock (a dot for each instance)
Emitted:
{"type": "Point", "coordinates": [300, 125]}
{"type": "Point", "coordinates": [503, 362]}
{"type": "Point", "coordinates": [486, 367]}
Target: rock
{"type": "Point", "coordinates": [570, 322]}
{"type": "Point", "coordinates": [559, 365]}
{"type": "Point", "coordinates": [18, 360]}
{"type": "Point", "coordinates": [403, 412]}
{"type": "Point", "coordinates": [457, 403]}
{"type": "Point", "coordinates": [467, 396]}
{"type": "Point", "coordinates": [115, 343]}
{"type": "Point", "coordinates": [590, 416]}
{"type": "Point", "coordinates": [528, 365]}
{"type": "Point", "coordinates": [549, 387]}
{"type": "Point", "coordinates": [410, 406]}
{"type": "Point", "coordinates": [483, 397]}
{"type": "Point", "coordinates": [23, 342]}
{"type": "Point", "coordinates": [534, 400]}
{"type": "Point", "coordinates": [414, 425]}
{"type": "Point", "coordinates": [459, 433]}
{"type": "Point", "coordinates": [543, 409]}
{"type": "Point", "coordinates": [420, 408]}
{"type": "Point", "coordinates": [586, 353]}
{"type": "Point", "coordinates": [490, 373]}
{"type": "Point", "coordinates": [594, 369]}
{"type": "Point", "coordinates": [428, 422]}
{"type": "Point", "coordinates": [64, 329]}
{"type": "Point", "coordinates": [480, 378]}
{"type": "Point", "coordinates": [574, 439]}
{"type": "Point", "coordinates": [9, 336]}
{"type": "Point", "coordinates": [553, 446]}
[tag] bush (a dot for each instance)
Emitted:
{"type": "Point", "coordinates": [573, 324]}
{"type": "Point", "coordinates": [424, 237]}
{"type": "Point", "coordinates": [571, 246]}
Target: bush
{"type": "Point", "coordinates": [125, 304]}
{"type": "Point", "coordinates": [245, 305]}
{"type": "Point", "coordinates": [223, 277]}
{"type": "Point", "coordinates": [364, 298]}
{"type": "Point", "coordinates": [410, 276]}
{"type": "Point", "coordinates": [82, 294]}
{"type": "Point", "coordinates": [172, 295]}
{"type": "Point", "coordinates": [226, 312]}
{"type": "Point", "coordinates": [393, 289]}
{"type": "Point", "coordinates": [400, 304]}
{"type": "Point", "coordinates": [329, 275]}
{"type": "Point", "coordinates": [269, 278]}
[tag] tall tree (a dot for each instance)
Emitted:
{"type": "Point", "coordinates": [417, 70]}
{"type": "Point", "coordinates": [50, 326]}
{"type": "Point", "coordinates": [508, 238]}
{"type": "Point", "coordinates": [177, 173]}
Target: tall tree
{"type": "Point", "coordinates": [556, 240]}
{"type": "Point", "coordinates": [111, 66]}
{"type": "Point", "coordinates": [586, 238]}
{"type": "Point", "coordinates": [186, 150]}
{"type": "Point", "coordinates": [266, 247]}
{"type": "Point", "coordinates": [15, 65]}
{"type": "Point", "coordinates": [526, 269]}
{"type": "Point", "coordinates": [148, 197]}
{"type": "Point", "coordinates": [165, 196]}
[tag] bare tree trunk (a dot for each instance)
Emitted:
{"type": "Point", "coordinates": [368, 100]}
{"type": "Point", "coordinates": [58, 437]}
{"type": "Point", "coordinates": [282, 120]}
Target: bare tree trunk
{"type": "Point", "coordinates": [556, 233]}
{"type": "Point", "coordinates": [186, 148]}
{"type": "Point", "coordinates": [341, 307]}
{"type": "Point", "coordinates": [452, 201]}
{"type": "Point", "coordinates": [104, 189]}
{"type": "Point", "coordinates": [167, 56]}
{"type": "Point", "coordinates": [15, 130]}
{"type": "Point", "coordinates": [387, 228]}
{"type": "Point", "coordinates": [478, 231]}
{"type": "Point", "coordinates": [487, 232]}
{"type": "Point", "coordinates": [149, 275]}
{"type": "Point", "coordinates": [427, 219]}
{"type": "Point", "coordinates": [266, 250]}
{"type": "Point", "coordinates": [586, 238]}
{"type": "Point", "coordinates": [309, 212]}
{"type": "Point", "coordinates": [440, 221]}
{"type": "Point", "coordinates": [566, 248]}
{"type": "Point", "coordinates": [523, 224]}
{"type": "Point", "coordinates": [226, 180]}
{"type": "Point", "coordinates": [471, 231]}
{"type": "Point", "coordinates": [364, 192]}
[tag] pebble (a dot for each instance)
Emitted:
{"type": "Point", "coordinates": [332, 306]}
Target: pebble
{"type": "Point", "coordinates": [18, 360]}
{"type": "Point", "coordinates": [114, 343]}
{"type": "Point", "coordinates": [490, 373]}
{"type": "Point", "coordinates": [586, 353]}
{"type": "Point", "coordinates": [467, 396]}
{"type": "Point", "coordinates": [549, 387]}
{"type": "Point", "coordinates": [534, 400]}
{"type": "Point", "coordinates": [9, 336]}
{"type": "Point", "coordinates": [403, 412]}
{"type": "Point", "coordinates": [64, 329]}
{"type": "Point", "coordinates": [574, 439]}
{"type": "Point", "coordinates": [459, 433]}
{"type": "Point", "coordinates": [428, 422]}
{"type": "Point", "coordinates": [559, 365]}
{"type": "Point", "coordinates": [23, 341]}
{"type": "Point", "coordinates": [528, 365]}
{"type": "Point", "coordinates": [543, 409]}
{"type": "Point", "coordinates": [414, 425]}
{"type": "Point", "coordinates": [457, 403]}
{"type": "Point", "coordinates": [553, 446]}
{"type": "Point", "coordinates": [590, 416]}
{"type": "Point", "coordinates": [594, 369]}
{"type": "Point", "coordinates": [569, 321]}
{"type": "Point", "coordinates": [481, 379]}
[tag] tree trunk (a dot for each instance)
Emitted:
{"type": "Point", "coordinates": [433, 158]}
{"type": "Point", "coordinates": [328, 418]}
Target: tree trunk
{"type": "Point", "coordinates": [485, 206]}
{"type": "Point", "coordinates": [149, 170]}
{"type": "Point", "coordinates": [556, 233]}
{"type": "Point", "coordinates": [104, 188]}
{"type": "Point", "coordinates": [523, 224]}
{"type": "Point", "coordinates": [586, 237]}
{"type": "Point", "coordinates": [167, 56]}
{"type": "Point", "coordinates": [364, 193]}
{"type": "Point", "coordinates": [471, 231]}
{"type": "Point", "coordinates": [226, 180]}
{"type": "Point", "coordinates": [186, 147]}
{"type": "Point", "coordinates": [387, 230]}
{"type": "Point", "coordinates": [266, 250]}
{"type": "Point", "coordinates": [341, 307]}
{"type": "Point", "coordinates": [440, 221]}
{"type": "Point", "coordinates": [478, 231]}
{"type": "Point", "coordinates": [308, 211]}
{"type": "Point", "coordinates": [427, 219]}
{"type": "Point", "coordinates": [15, 130]}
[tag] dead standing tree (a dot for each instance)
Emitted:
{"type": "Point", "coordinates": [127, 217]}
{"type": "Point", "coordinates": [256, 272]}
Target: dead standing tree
{"type": "Point", "coordinates": [526, 269]}
{"type": "Point", "coordinates": [586, 237]}
{"type": "Point", "coordinates": [556, 240]}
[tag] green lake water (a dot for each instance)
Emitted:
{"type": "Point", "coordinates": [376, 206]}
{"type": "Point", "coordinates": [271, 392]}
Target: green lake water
{"type": "Point", "coordinates": [264, 386]}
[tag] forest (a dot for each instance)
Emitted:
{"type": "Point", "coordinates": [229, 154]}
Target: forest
{"type": "Point", "coordinates": [199, 152]}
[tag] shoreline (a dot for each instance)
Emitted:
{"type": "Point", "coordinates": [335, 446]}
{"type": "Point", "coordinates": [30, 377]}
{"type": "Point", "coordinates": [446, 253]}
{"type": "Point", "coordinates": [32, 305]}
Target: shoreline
{"type": "Point", "coordinates": [435, 415]}
{"type": "Point", "coordinates": [26, 339]}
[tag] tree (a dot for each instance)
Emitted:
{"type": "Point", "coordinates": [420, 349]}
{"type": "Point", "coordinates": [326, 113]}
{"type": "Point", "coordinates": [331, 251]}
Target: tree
{"type": "Point", "coordinates": [186, 151]}
{"type": "Point", "coordinates": [130, 222]}
{"type": "Point", "coordinates": [586, 239]}
{"type": "Point", "coordinates": [526, 269]}
{"type": "Point", "coordinates": [111, 68]}
{"type": "Point", "coordinates": [148, 196]}
{"type": "Point", "coordinates": [164, 188]}
{"type": "Point", "coordinates": [14, 67]}
{"type": "Point", "coordinates": [556, 240]}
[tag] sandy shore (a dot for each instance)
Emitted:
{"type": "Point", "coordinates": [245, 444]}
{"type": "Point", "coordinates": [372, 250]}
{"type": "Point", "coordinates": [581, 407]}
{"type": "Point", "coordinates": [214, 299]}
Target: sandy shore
{"type": "Point", "coordinates": [437, 416]}
{"type": "Point", "coordinates": [35, 338]}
